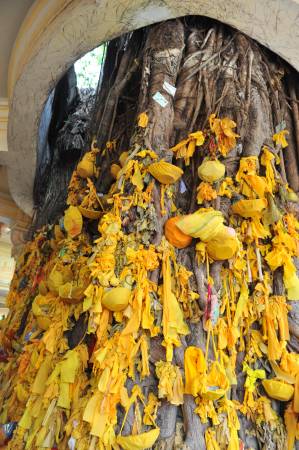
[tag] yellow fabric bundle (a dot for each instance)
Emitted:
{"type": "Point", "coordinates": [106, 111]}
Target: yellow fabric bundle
{"type": "Point", "coordinates": [211, 170]}
{"type": "Point", "coordinates": [210, 385]}
{"type": "Point", "coordinates": [86, 167]}
{"type": "Point", "coordinates": [249, 208]}
{"type": "Point", "coordinates": [203, 224]}
{"type": "Point", "coordinates": [216, 383]}
{"type": "Point", "coordinates": [73, 221]}
{"type": "Point", "coordinates": [165, 172]}
{"type": "Point", "coordinates": [279, 390]}
{"type": "Point", "coordinates": [224, 245]}
{"type": "Point", "coordinates": [174, 235]}
{"type": "Point", "coordinates": [116, 299]}
{"type": "Point", "coordinates": [195, 370]}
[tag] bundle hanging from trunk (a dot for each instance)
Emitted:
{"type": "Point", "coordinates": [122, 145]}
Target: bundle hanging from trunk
{"type": "Point", "coordinates": [159, 311]}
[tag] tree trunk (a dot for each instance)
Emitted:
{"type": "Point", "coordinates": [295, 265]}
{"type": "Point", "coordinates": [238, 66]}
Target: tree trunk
{"type": "Point", "coordinates": [192, 325]}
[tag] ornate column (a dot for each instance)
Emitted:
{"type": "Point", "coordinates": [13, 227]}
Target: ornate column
{"type": "Point", "coordinates": [19, 230]}
{"type": "Point", "coordinates": [3, 124]}
{"type": "Point", "coordinates": [16, 220]}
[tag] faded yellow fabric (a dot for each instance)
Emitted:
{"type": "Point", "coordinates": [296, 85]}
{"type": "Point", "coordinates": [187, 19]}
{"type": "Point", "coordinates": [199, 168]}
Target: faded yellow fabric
{"type": "Point", "coordinates": [139, 441]}
{"type": "Point", "coordinates": [205, 192]}
{"type": "Point", "coordinates": [267, 160]}
{"type": "Point", "coordinates": [165, 172]}
{"type": "Point", "coordinates": [225, 136]}
{"type": "Point", "coordinates": [186, 148]}
{"type": "Point", "coordinates": [173, 319]}
{"type": "Point", "coordinates": [171, 384]}
{"type": "Point", "coordinates": [280, 138]}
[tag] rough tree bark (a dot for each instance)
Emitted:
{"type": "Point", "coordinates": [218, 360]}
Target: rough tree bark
{"type": "Point", "coordinates": [215, 70]}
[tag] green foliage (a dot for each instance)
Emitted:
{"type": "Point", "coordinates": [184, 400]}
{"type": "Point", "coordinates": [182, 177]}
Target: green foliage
{"type": "Point", "coordinates": [89, 66]}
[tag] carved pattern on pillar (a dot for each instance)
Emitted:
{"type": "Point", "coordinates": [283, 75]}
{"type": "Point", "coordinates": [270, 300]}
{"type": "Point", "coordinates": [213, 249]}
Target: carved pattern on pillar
{"type": "Point", "coordinates": [18, 235]}
{"type": "Point", "coordinates": [18, 221]}
{"type": "Point", "coordinates": [3, 124]}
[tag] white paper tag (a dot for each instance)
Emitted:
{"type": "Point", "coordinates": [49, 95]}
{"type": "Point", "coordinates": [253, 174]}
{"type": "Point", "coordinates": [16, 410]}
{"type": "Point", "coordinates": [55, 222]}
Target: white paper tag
{"type": "Point", "coordinates": [159, 98]}
{"type": "Point", "coordinates": [72, 443]}
{"type": "Point", "coordinates": [239, 148]}
{"type": "Point", "coordinates": [183, 187]}
{"type": "Point", "coordinates": [169, 88]}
